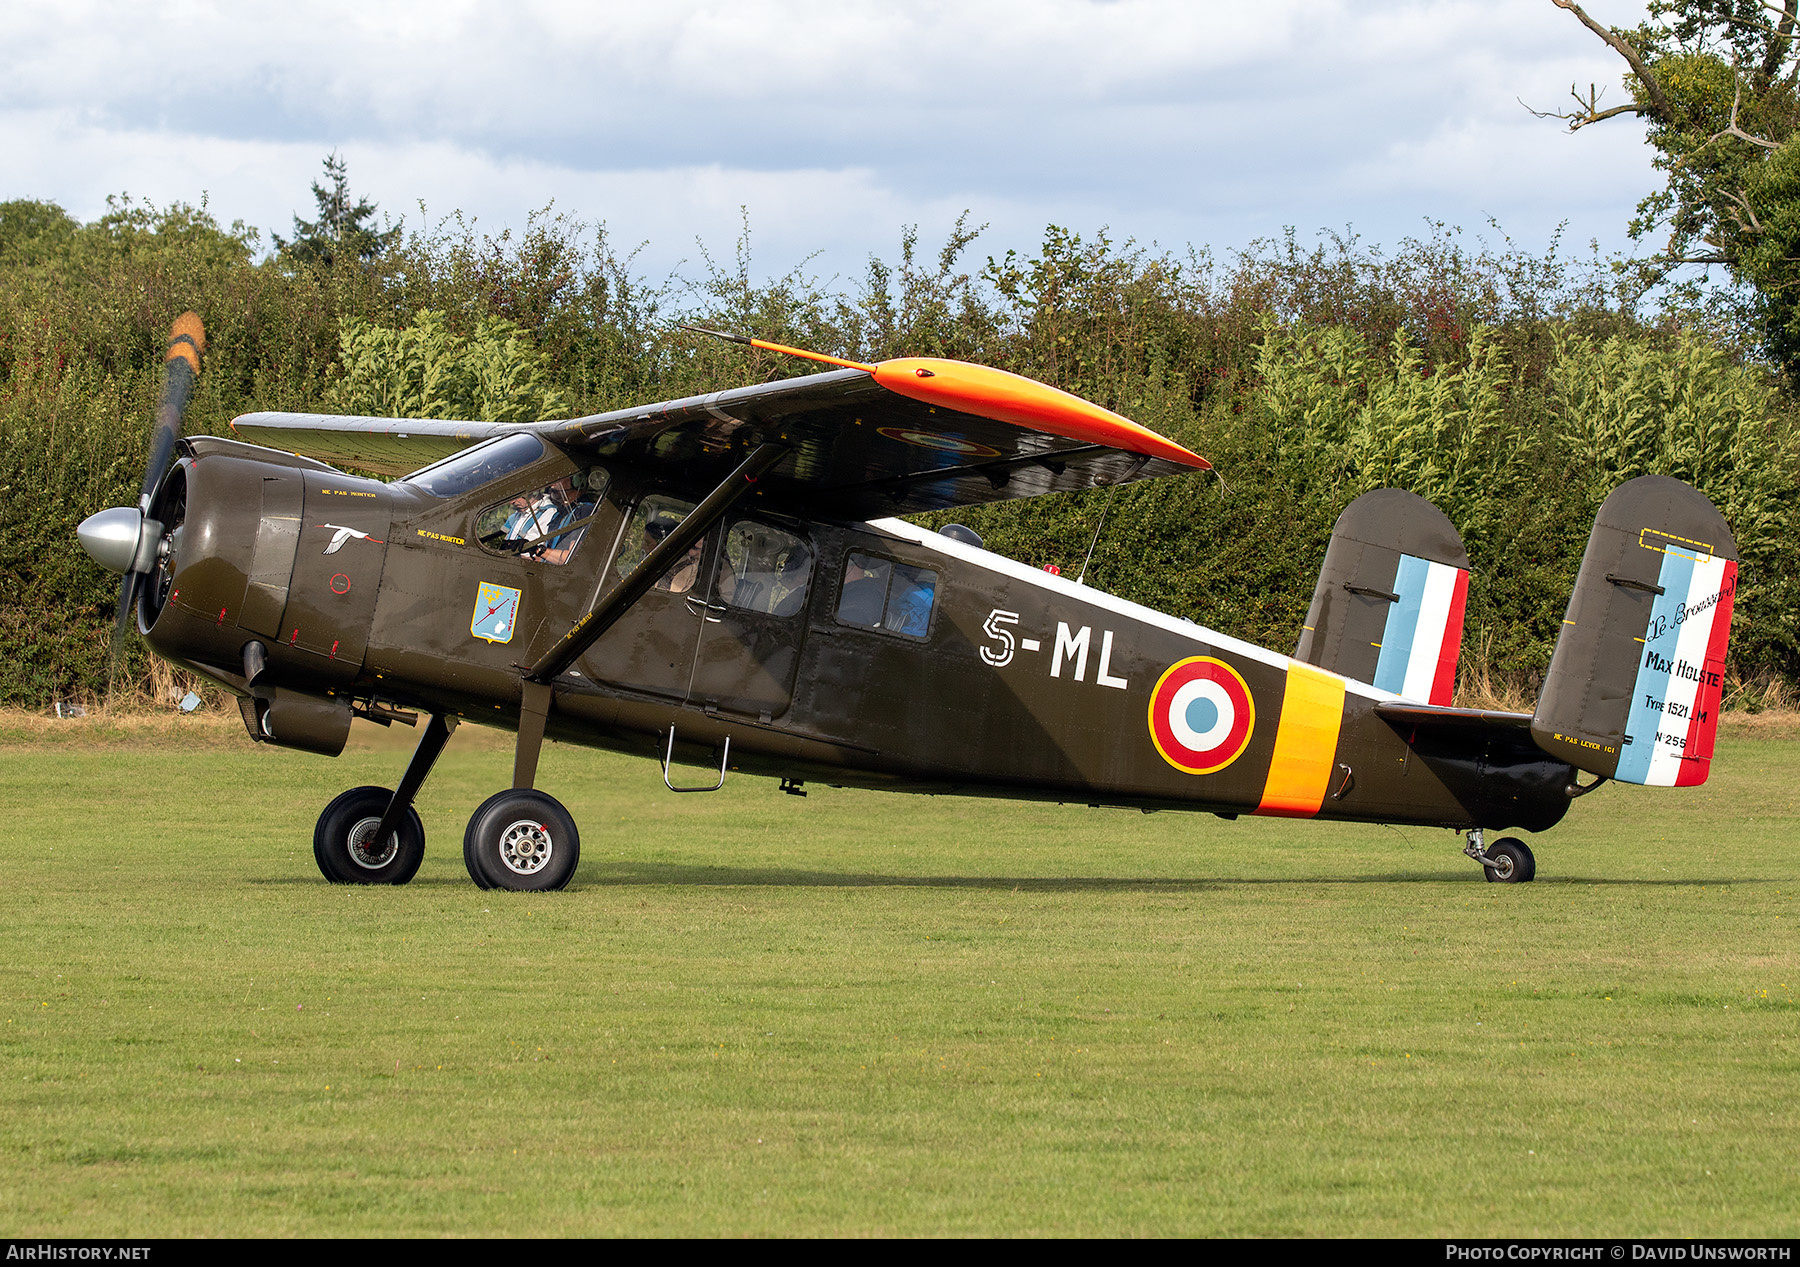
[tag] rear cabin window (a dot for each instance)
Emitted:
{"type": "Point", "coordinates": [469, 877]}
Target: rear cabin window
{"type": "Point", "coordinates": [765, 569]}
{"type": "Point", "coordinates": [882, 594]}
{"type": "Point", "coordinates": [654, 519]}
{"type": "Point", "coordinates": [544, 523]}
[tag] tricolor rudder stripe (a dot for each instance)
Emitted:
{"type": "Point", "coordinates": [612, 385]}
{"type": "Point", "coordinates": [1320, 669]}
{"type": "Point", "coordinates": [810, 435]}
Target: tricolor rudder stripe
{"type": "Point", "coordinates": [1419, 646]}
{"type": "Point", "coordinates": [1312, 714]}
{"type": "Point", "coordinates": [1674, 714]}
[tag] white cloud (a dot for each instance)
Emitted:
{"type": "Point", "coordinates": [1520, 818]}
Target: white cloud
{"type": "Point", "coordinates": [834, 122]}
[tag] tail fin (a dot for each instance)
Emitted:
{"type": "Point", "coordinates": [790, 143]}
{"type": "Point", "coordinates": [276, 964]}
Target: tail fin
{"type": "Point", "coordinates": [1388, 609]}
{"type": "Point", "coordinates": [1634, 684]}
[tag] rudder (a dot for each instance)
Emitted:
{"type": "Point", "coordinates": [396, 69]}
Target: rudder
{"type": "Point", "coordinates": [1639, 667]}
{"type": "Point", "coordinates": [1388, 608]}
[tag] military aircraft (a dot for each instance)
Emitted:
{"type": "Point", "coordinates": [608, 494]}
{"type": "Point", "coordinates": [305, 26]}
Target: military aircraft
{"type": "Point", "coordinates": [725, 581]}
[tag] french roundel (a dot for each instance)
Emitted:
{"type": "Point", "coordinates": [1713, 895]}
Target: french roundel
{"type": "Point", "coordinates": [942, 443]}
{"type": "Point", "coordinates": [1201, 715]}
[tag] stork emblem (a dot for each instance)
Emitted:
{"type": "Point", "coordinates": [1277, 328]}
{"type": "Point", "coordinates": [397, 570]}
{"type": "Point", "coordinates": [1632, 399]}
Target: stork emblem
{"type": "Point", "coordinates": [344, 534]}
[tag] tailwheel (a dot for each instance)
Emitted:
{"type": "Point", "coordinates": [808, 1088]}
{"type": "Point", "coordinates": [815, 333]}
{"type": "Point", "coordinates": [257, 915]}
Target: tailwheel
{"type": "Point", "coordinates": [1509, 861]}
{"type": "Point", "coordinates": [345, 847]}
{"type": "Point", "coordinates": [522, 840]}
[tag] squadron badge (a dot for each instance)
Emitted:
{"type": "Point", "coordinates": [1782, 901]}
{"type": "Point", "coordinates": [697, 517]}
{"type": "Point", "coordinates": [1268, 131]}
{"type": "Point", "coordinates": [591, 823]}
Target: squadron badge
{"type": "Point", "coordinates": [496, 613]}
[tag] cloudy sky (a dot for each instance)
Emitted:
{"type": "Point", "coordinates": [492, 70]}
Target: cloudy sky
{"type": "Point", "coordinates": [833, 123]}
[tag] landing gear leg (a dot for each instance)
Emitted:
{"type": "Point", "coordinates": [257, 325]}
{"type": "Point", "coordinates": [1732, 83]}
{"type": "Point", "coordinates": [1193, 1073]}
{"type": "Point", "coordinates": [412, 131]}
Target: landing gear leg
{"type": "Point", "coordinates": [1507, 861]}
{"type": "Point", "coordinates": [437, 733]}
{"type": "Point", "coordinates": [534, 711]}
{"type": "Point", "coordinates": [522, 839]}
{"type": "Point", "coordinates": [372, 836]}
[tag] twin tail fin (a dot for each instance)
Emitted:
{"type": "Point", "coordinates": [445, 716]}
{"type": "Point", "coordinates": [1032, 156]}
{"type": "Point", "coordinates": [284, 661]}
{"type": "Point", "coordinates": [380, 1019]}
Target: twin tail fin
{"type": "Point", "coordinates": [1388, 608]}
{"type": "Point", "coordinates": [1635, 681]}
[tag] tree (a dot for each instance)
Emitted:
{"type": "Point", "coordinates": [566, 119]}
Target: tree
{"type": "Point", "coordinates": [32, 231]}
{"type": "Point", "coordinates": [1718, 82]}
{"type": "Point", "coordinates": [343, 229]}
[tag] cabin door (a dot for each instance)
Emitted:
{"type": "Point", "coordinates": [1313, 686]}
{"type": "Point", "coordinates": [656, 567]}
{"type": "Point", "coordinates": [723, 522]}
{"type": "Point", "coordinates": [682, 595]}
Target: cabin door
{"type": "Point", "coordinates": [752, 618]}
{"type": "Point", "coordinates": [652, 646]}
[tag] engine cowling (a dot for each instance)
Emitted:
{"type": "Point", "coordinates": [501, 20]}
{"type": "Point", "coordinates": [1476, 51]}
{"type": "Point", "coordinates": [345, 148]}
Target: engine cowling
{"type": "Point", "coordinates": [241, 545]}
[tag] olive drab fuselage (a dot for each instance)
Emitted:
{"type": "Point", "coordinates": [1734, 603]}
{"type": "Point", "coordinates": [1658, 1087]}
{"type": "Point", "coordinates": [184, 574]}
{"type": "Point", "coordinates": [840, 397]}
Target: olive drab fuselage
{"type": "Point", "coordinates": [716, 581]}
{"type": "Point", "coordinates": [967, 674]}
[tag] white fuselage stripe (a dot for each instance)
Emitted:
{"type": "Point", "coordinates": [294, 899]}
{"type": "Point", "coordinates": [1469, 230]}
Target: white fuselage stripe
{"type": "Point", "coordinates": [992, 562]}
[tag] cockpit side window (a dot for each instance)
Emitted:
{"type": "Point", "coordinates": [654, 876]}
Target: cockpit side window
{"type": "Point", "coordinates": [483, 464]}
{"type": "Point", "coordinates": [545, 523]}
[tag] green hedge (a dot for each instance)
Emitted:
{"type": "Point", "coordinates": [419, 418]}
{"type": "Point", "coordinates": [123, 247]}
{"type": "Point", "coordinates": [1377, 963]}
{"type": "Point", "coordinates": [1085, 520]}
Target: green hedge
{"type": "Point", "coordinates": [1509, 388]}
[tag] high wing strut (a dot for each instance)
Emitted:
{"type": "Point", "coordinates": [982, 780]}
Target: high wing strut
{"type": "Point", "coordinates": [602, 616]}
{"type": "Point", "coordinates": [536, 696]}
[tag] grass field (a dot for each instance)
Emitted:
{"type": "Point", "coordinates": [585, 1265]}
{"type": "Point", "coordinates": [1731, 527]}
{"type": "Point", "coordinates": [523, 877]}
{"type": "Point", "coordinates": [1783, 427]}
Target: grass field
{"type": "Point", "coordinates": [863, 1014]}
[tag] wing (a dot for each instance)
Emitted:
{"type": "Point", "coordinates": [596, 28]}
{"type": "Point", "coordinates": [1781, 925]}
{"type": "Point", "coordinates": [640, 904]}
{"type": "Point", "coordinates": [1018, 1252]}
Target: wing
{"type": "Point", "coordinates": [896, 438]}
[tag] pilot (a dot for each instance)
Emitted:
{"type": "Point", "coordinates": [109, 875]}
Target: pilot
{"type": "Point", "coordinates": [909, 607]}
{"type": "Point", "coordinates": [562, 509]}
{"type": "Point", "coordinates": [522, 524]}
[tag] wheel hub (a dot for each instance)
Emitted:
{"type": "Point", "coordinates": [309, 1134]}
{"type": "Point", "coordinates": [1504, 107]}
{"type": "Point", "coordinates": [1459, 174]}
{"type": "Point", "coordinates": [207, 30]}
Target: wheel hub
{"type": "Point", "coordinates": [363, 849]}
{"type": "Point", "coordinates": [525, 847]}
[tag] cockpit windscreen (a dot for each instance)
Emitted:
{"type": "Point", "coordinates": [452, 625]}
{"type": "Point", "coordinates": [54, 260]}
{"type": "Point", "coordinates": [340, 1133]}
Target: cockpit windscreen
{"type": "Point", "coordinates": [480, 465]}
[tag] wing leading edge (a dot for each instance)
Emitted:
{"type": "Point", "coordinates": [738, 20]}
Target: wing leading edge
{"type": "Point", "coordinates": [900, 437]}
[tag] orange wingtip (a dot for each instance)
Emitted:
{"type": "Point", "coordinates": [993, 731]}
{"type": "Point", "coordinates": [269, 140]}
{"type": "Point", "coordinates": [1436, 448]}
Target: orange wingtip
{"type": "Point", "coordinates": [1024, 402]}
{"type": "Point", "coordinates": [187, 340]}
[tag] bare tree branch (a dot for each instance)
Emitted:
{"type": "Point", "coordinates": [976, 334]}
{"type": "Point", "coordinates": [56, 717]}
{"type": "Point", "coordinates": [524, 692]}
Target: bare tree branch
{"type": "Point", "coordinates": [1734, 130]}
{"type": "Point", "coordinates": [1659, 104]}
{"type": "Point", "coordinates": [1778, 42]}
{"type": "Point", "coordinates": [1754, 225]}
{"type": "Point", "coordinates": [1590, 111]}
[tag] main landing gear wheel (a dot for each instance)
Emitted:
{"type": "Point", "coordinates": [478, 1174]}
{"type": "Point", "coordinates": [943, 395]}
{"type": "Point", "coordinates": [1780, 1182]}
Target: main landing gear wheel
{"type": "Point", "coordinates": [1509, 861]}
{"type": "Point", "coordinates": [521, 840]}
{"type": "Point", "coordinates": [345, 847]}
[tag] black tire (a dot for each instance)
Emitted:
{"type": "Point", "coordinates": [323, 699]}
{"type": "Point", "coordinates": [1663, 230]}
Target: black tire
{"type": "Point", "coordinates": [475, 872]}
{"type": "Point", "coordinates": [1511, 863]}
{"type": "Point", "coordinates": [523, 841]}
{"type": "Point", "coordinates": [344, 856]}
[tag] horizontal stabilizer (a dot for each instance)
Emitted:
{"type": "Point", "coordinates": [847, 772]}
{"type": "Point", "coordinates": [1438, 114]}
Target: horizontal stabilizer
{"type": "Point", "coordinates": [1474, 729]}
{"type": "Point", "coordinates": [1476, 737]}
{"type": "Point", "coordinates": [1388, 608]}
{"type": "Point", "coordinates": [1635, 682]}
{"type": "Point", "coordinates": [1403, 714]}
